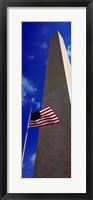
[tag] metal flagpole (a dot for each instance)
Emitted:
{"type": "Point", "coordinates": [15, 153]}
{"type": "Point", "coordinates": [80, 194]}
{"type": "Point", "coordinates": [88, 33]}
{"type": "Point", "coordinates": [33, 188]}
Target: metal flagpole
{"type": "Point", "coordinates": [25, 141]}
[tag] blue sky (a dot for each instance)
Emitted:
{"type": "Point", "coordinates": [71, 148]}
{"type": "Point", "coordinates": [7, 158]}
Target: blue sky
{"type": "Point", "coordinates": [35, 44]}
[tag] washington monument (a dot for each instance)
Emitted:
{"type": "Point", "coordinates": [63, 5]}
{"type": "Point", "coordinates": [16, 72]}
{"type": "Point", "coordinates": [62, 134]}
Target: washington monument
{"type": "Point", "coordinates": [53, 157]}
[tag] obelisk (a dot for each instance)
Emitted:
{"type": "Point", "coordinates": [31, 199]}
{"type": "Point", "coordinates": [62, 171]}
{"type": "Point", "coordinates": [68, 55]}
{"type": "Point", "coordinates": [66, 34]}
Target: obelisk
{"type": "Point", "coordinates": [53, 157]}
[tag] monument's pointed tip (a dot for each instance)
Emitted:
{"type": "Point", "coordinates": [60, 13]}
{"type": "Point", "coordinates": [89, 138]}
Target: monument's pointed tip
{"type": "Point", "coordinates": [57, 33]}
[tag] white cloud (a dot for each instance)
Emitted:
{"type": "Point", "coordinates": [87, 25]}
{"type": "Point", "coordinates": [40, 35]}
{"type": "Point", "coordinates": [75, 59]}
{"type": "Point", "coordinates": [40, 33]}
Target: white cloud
{"type": "Point", "coordinates": [43, 31]}
{"type": "Point", "coordinates": [32, 158]}
{"type": "Point", "coordinates": [44, 45]}
{"type": "Point", "coordinates": [31, 57]}
{"type": "Point", "coordinates": [27, 88]}
{"type": "Point", "coordinates": [37, 104]}
{"type": "Point", "coordinates": [33, 100]}
{"type": "Point", "coordinates": [24, 101]}
{"type": "Point", "coordinates": [69, 50]}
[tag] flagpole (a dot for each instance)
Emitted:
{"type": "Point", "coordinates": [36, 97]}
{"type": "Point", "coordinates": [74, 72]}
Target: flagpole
{"type": "Point", "coordinates": [25, 141]}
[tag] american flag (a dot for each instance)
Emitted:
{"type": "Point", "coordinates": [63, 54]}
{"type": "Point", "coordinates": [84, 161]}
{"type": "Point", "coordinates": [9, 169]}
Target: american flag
{"type": "Point", "coordinates": [43, 117]}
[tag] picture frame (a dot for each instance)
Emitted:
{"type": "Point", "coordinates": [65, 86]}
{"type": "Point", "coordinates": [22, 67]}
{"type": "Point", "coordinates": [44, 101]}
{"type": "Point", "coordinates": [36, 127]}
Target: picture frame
{"type": "Point", "coordinates": [3, 100]}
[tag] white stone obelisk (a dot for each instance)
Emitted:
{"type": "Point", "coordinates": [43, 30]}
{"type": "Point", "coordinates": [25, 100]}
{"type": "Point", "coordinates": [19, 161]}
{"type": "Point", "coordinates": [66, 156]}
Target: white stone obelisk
{"type": "Point", "coordinates": [53, 158]}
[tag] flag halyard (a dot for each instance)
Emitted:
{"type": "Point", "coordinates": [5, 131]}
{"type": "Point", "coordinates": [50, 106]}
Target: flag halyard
{"type": "Point", "coordinates": [43, 117]}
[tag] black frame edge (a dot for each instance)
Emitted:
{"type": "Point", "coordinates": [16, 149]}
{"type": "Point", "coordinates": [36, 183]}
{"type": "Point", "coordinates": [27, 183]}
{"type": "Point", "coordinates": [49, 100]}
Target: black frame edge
{"type": "Point", "coordinates": [47, 3]}
{"type": "Point", "coordinates": [88, 96]}
{"type": "Point", "coordinates": [3, 101]}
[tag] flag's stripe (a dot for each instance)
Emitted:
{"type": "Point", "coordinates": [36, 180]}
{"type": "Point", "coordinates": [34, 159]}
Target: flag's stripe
{"type": "Point", "coordinates": [57, 121]}
{"type": "Point", "coordinates": [45, 109]}
{"type": "Point", "coordinates": [45, 112]}
{"type": "Point", "coordinates": [48, 115]}
{"type": "Point", "coordinates": [49, 119]}
{"type": "Point", "coordinates": [49, 110]}
{"type": "Point", "coordinates": [44, 124]}
{"type": "Point", "coordinates": [43, 120]}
